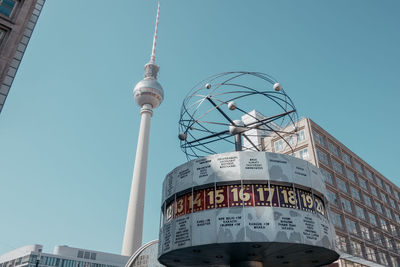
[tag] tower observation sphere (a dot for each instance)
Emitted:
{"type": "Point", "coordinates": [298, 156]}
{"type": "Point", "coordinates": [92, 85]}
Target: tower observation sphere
{"type": "Point", "coordinates": [149, 90]}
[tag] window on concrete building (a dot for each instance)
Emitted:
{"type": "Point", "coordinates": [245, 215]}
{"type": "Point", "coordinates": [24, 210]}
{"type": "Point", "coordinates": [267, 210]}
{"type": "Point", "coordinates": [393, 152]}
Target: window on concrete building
{"type": "Point", "coordinates": [356, 248]}
{"type": "Point", "coordinates": [93, 256]}
{"type": "Point", "coordinates": [328, 175]}
{"type": "Point", "coordinates": [342, 185]}
{"type": "Point", "coordinates": [384, 198]}
{"type": "Point", "coordinates": [337, 166]}
{"type": "Point", "coordinates": [346, 205]}
{"type": "Point", "coordinates": [389, 243]}
{"type": "Point", "coordinates": [333, 149]}
{"type": "Point", "coordinates": [355, 193]}
{"type": "Point", "coordinates": [351, 175]}
{"type": "Point", "coordinates": [336, 219]}
{"type": "Point", "coordinates": [377, 238]}
{"type": "Point", "coordinates": [393, 229]}
{"type": "Point", "coordinates": [358, 166]}
{"type": "Point", "coordinates": [392, 203]}
{"type": "Point", "coordinates": [378, 181]}
{"type": "Point", "coordinates": [341, 243]}
{"type": "Point", "coordinates": [319, 138]}
{"type": "Point", "coordinates": [388, 213]}
{"type": "Point", "coordinates": [360, 212]}
{"type": "Point", "coordinates": [363, 183]}
{"type": "Point", "coordinates": [383, 224]}
{"type": "Point", "coordinates": [346, 158]}
{"type": "Point", "coordinates": [372, 219]}
{"type": "Point", "coordinates": [365, 232]}
{"type": "Point", "coordinates": [373, 190]}
{"type": "Point", "coordinates": [80, 253]}
{"type": "Point", "coordinates": [394, 261]}
{"type": "Point", "coordinates": [7, 7]}
{"type": "Point", "coordinates": [351, 226]}
{"type": "Point", "coordinates": [86, 255]}
{"type": "Point", "coordinates": [278, 145]}
{"type": "Point", "coordinates": [323, 157]}
{"type": "Point", "coordinates": [397, 217]}
{"type": "Point", "coordinates": [369, 175]}
{"type": "Point", "coordinates": [378, 207]}
{"type": "Point", "coordinates": [397, 195]}
{"type": "Point", "coordinates": [304, 154]}
{"type": "Point", "coordinates": [301, 136]}
{"type": "Point", "coordinates": [388, 188]}
{"type": "Point", "coordinates": [371, 253]}
{"type": "Point", "coordinates": [332, 197]}
{"type": "Point", "coordinates": [383, 258]}
{"type": "Point", "coordinates": [367, 201]}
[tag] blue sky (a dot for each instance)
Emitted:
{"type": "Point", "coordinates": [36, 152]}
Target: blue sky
{"type": "Point", "coordinates": [69, 127]}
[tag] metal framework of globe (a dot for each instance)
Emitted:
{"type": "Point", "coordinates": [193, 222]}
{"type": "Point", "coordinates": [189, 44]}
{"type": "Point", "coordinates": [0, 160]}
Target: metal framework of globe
{"type": "Point", "coordinates": [214, 110]}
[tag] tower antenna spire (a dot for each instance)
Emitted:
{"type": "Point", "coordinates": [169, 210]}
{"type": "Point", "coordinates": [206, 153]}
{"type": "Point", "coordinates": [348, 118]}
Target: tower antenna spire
{"type": "Point", "coordinates": [153, 51]}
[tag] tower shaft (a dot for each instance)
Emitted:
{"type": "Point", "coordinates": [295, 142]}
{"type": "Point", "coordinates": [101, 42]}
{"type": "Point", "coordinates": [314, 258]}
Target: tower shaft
{"type": "Point", "coordinates": [134, 219]}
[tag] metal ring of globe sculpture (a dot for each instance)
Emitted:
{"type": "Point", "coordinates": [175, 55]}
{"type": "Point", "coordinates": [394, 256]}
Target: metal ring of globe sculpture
{"type": "Point", "coordinates": [235, 96]}
{"type": "Point", "coordinates": [247, 207]}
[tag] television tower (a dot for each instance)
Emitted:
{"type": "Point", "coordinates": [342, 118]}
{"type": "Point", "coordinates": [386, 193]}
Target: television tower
{"type": "Point", "coordinates": [148, 94]}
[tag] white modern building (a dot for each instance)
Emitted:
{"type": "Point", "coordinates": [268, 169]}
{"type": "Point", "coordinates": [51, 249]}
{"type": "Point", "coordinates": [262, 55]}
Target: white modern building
{"type": "Point", "coordinates": [62, 256]}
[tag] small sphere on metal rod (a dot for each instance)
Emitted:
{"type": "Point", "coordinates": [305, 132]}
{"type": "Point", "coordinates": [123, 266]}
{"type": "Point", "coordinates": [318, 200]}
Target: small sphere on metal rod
{"type": "Point", "coordinates": [182, 136]}
{"type": "Point", "coordinates": [208, 86]}
{"type": "Point", "coordinates": [277, 87]}
{"type": "Point", "coordinates": [232, 105]}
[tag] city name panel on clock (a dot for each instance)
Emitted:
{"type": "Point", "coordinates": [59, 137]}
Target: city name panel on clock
{"type": "Point", "coordinates": [257, 203]}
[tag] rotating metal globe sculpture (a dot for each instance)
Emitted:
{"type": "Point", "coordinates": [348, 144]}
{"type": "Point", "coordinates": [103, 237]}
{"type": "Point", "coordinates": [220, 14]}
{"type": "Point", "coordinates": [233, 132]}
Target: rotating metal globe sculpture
{"type": "Point", "coordinates": [215, 109]}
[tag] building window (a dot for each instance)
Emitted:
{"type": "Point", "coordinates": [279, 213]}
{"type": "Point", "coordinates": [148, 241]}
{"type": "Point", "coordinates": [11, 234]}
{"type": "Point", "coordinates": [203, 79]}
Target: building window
{"type": "Point", "coordinates": [80, 254]}
{"type": "Point", "coordinates": [363, 183]}
{"type": "Point", "coordinates": [304, 154]}
{"type": "Point", "coordinates": [383, 196]}
{"type": "Point", "coordinates": [397, 195]}
{"type": "Point", "coordinates": [351, 175]}
{"type": "Point", "coordinates": [356, 249]}
{"type": "Point", "coordinates": [388, 188]}
{"type": "Point", "coordinates": [378, 180]}
{"type": "Point", "coordinates": [6, 7]}
{"type": "Point", "coordinates": [373, 190]}
{"type": "Point", "coordinates": [392, 203]}
{"type": "Point", "coordinates": [333, 149]}
{"type": "Point", "coordinates": [358, 166]}
{"type": "Point", "coordinates": [388, 242]}
{"type": "Point", "coordinates": [323, 157]}
{"type": "Point", "coordinates": [355, 193]}
{"type": "Point", "coordinates": [383, 224]}
{"type": "Point", "coordinates": [301, 136]}
{"type": "Point", "coordinates": [332, 197]}
{"type": "Point", "coordinates": [378, 207]}
{"type": "Point", "coordinates": [388, 213]}
{"type": "Point", "coordinates": [341, 243]}
{"type": "Point", "coordinates": [337, 166]}
{"type": "Point", "coordinates": [395, 262]}
{"type": "Point", "coordinates": [360, 212]}
{"type": "Point", "coordinates": [319, 138]}
{"type": "Point", "coordinates": [342, 185]}
{"type": "Point", "coordinates": [377, 238]}
{"type": "Point", "coordinates": [397, 217]}
{"type": "Point", "coordinates": [367, 201]}
{"type": "Point", "coordinates": [393, 229]}
{"type": "Point", "coordinates": [336, 219]}
{"type": "Point", "coordinates": [328, 176]}
{"type": "Point", "coordinates": [383, 258]}
{"type": "Point", "coordinates": [372, 219]}
{"type": "Point", "coordinates": [93, 256]}
{"type": "Point", "coordinates": [278, 145]}
{"type": "Point", "coordinates": [370, 252]}
{"type": "Point", "coordinates": [365, 232]}
{"type": "Point", "coordinates": [369, 174]}
{"type": "Point", "coordinates": [346, 158]}
{"type": "Point", "coordinates": [346, 205]}
{"type": "Point", "coordinates": [87, 255]}
{"type": "Point", "coordinates": [351, 226]}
